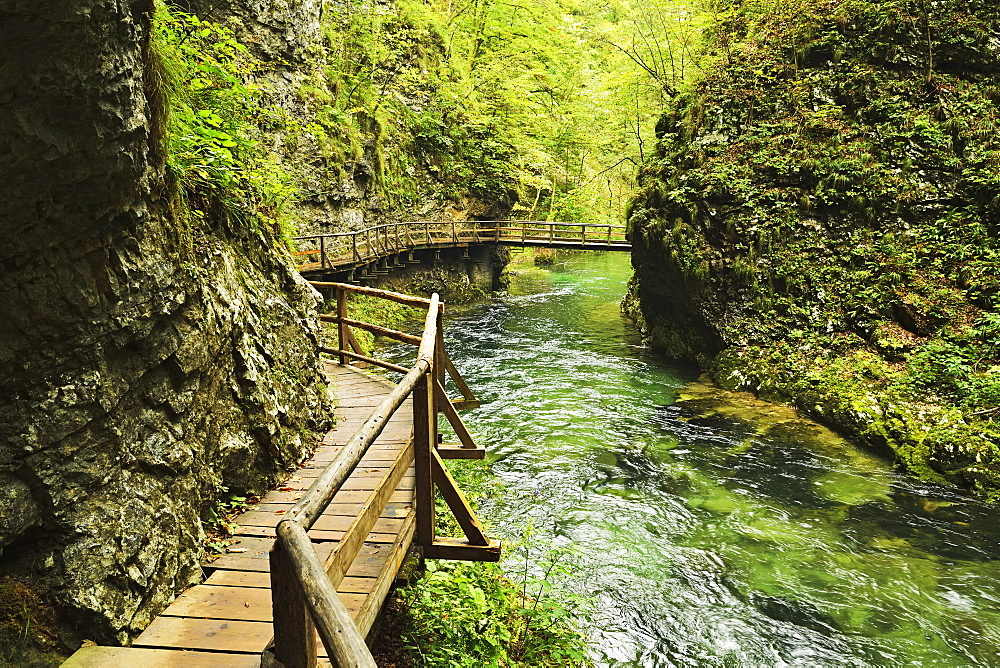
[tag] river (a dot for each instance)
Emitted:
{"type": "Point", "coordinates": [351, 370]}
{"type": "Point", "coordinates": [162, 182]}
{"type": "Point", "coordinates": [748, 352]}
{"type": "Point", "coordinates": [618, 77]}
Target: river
{"type": "Point", "coordinates": [706, 528]}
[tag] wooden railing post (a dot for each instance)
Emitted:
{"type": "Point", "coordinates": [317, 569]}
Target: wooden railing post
{"type": "Point", "coordinates": [583, 235]}
{"type": "Point", "coordinates": [322, 252]}
{"type": "Point", "coordinates": [342, 338]}
{"type": "Point", "coordinates": [354, 247]}
{"type": "Point", "coordinates": [424, 436]}
{"type": "Point", "coordinates": [294, 633]}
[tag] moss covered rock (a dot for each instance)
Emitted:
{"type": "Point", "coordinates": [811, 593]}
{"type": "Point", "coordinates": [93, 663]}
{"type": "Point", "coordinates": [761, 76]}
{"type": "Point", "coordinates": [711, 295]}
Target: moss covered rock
{"type": "Point", "coordinates": [148, 360]}
{"type": "Point", "coordinates": [821, 222]}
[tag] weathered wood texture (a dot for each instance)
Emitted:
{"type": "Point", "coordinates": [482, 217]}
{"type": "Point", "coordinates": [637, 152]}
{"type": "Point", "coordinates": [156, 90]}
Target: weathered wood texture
{"type": "Point", "coordinates": [227, 621]}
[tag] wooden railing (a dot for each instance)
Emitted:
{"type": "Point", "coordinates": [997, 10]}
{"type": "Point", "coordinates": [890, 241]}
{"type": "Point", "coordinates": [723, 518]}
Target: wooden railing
{"type": "Point", "coordinates": [304, 589]}
{"type": "Point", "coordinates": [344, 249]}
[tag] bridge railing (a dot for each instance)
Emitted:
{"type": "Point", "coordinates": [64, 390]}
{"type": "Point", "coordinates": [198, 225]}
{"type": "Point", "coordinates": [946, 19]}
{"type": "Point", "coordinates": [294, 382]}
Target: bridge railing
{"type": "Point", "coordinates": [338, 249]}
{"type": "Point", "coordinates": [304, 589]}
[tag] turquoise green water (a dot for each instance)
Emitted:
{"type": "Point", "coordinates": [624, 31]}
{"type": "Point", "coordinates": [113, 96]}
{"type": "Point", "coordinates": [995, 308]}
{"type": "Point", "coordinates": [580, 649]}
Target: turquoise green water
{"type": "Point", "coordinates": [707, 528]}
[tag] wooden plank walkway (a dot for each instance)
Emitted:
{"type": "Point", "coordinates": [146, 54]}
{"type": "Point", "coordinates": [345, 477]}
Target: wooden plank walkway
{"type": "Point", "coordinates": [342, 251]}
{"type": "Point", "coordinates": [226, 621]}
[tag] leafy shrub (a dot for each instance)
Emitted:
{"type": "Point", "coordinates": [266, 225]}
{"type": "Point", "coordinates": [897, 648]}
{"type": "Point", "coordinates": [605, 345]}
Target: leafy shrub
{"type": "Point", "coordinates": [469, 614]}
{"type": "Point", "coordinates": [214, 125]}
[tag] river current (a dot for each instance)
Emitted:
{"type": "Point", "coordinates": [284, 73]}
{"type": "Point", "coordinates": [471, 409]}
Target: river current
{"type": "Point", "coordinates": [706, 528]}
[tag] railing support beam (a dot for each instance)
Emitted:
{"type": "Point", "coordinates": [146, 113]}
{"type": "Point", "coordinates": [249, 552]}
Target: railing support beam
{"type": "Point", "coordinates": [294, 633]}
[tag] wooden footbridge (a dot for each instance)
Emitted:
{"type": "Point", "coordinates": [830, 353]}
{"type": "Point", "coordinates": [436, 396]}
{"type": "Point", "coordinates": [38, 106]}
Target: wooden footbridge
{"type": "Point", "coordinates": [314, 561]}
{"type": "Point", "coordinates": [376, 250]}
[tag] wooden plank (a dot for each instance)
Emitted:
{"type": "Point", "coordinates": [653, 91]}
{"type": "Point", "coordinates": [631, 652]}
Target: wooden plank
{"type": "Point", "coordinates": [205, 601]}
{"type": "Point", "coordinates": [350, 485]}
{"type": "Point", "coordinates": [369, 562]}
{"type": "Point", "coordinates": [424, 435]}
{"type": "Point", "coordinates": [458, 549]}
{"type": "Point", "coordinates": [342, 523]}
{"type": "Point", "coordinates": [360, 401]}
{"type": "Point", "coordinates": [262, 580]}
{"type": "Point", "coordinates": [254, 561]}
{"type": "Point", "coordinates": [459, 451]}
{"type": "Point", "coordinates": [267, 512]}
{"type": "Point", "coordinates": [330, 536]}
{"type": "Point", "coordinates": [342, 331]}
{"type": "Point", "coordinates": [368, 519]}
{"type": "Point", "coordinates": [366, 564]}
{"type": "Point", "coordinates": [251, 604]}
{"type": "Point", "coordinates": [250, 546]}
{"type": "Point", "coordinates": [347, 496]}
{"type": "Point", "coordinates": [369, 484]}
{"type": "Point", "coordinates": [206, 634]}
{"type": "Point", "coordinates": [130, 657]}
{"type": "Point", "coordinates": [368, 613]}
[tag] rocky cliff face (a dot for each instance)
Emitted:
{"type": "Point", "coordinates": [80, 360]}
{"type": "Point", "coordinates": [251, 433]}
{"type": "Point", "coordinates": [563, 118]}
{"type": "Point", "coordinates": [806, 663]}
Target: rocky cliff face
{"type": "Point", "coordinates": [358, 124]}
{"type": "Point", "coordinates": [146, 363]}
{"type": "Point", "coordinates": [820, 225]}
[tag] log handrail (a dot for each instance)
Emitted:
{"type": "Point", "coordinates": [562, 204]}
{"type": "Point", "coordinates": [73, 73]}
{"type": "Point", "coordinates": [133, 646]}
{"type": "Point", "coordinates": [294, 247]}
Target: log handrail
{"type": "Point", "coordinates": [304, 588]}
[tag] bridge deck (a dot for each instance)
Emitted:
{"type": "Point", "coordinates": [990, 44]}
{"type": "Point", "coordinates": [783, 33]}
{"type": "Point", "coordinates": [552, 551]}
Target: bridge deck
{"type": "Point", "coordinates": [226, 621]}
{"type": "Point", "coordinates": [344, 251]}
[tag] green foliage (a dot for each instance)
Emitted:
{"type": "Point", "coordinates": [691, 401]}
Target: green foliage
{"type": "Point", "coordinates": [215, 124]}
{"type": "Point", "coordinates": [468, 614]}
{"type": "Point", "coordinates": [218, 518]}
{"type": "Point", "coordinates": [962, 369]}
{"type": "Point", "coordinates": [501, 103]}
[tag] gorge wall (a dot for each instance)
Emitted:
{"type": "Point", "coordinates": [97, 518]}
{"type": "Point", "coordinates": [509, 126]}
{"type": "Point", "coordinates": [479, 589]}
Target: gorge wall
{"type": "Point", "coordinates": [820, 223]}
{"type": "Point", "coordinates": [149, 360]}
{"type": "Point", "coordinates": [157, 348]}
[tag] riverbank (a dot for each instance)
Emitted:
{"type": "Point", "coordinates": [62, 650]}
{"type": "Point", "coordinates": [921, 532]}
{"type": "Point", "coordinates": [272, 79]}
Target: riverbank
{"type": "Point", "coordinates": [832, 242]}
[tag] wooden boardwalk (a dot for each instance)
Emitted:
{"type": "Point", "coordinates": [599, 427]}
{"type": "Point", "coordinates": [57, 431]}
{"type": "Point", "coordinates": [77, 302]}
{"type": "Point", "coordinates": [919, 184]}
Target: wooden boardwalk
{"type": "Point", "coordinates": [385, 247]}
{"type": "Point", "coordinates": [226, 621]}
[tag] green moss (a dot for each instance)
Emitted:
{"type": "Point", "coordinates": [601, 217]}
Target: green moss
{"type": "Point", "coordinates": [832, 186]}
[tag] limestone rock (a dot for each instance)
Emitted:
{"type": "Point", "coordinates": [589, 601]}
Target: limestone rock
{"type": "Point", "coordinates": [140, 374]}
